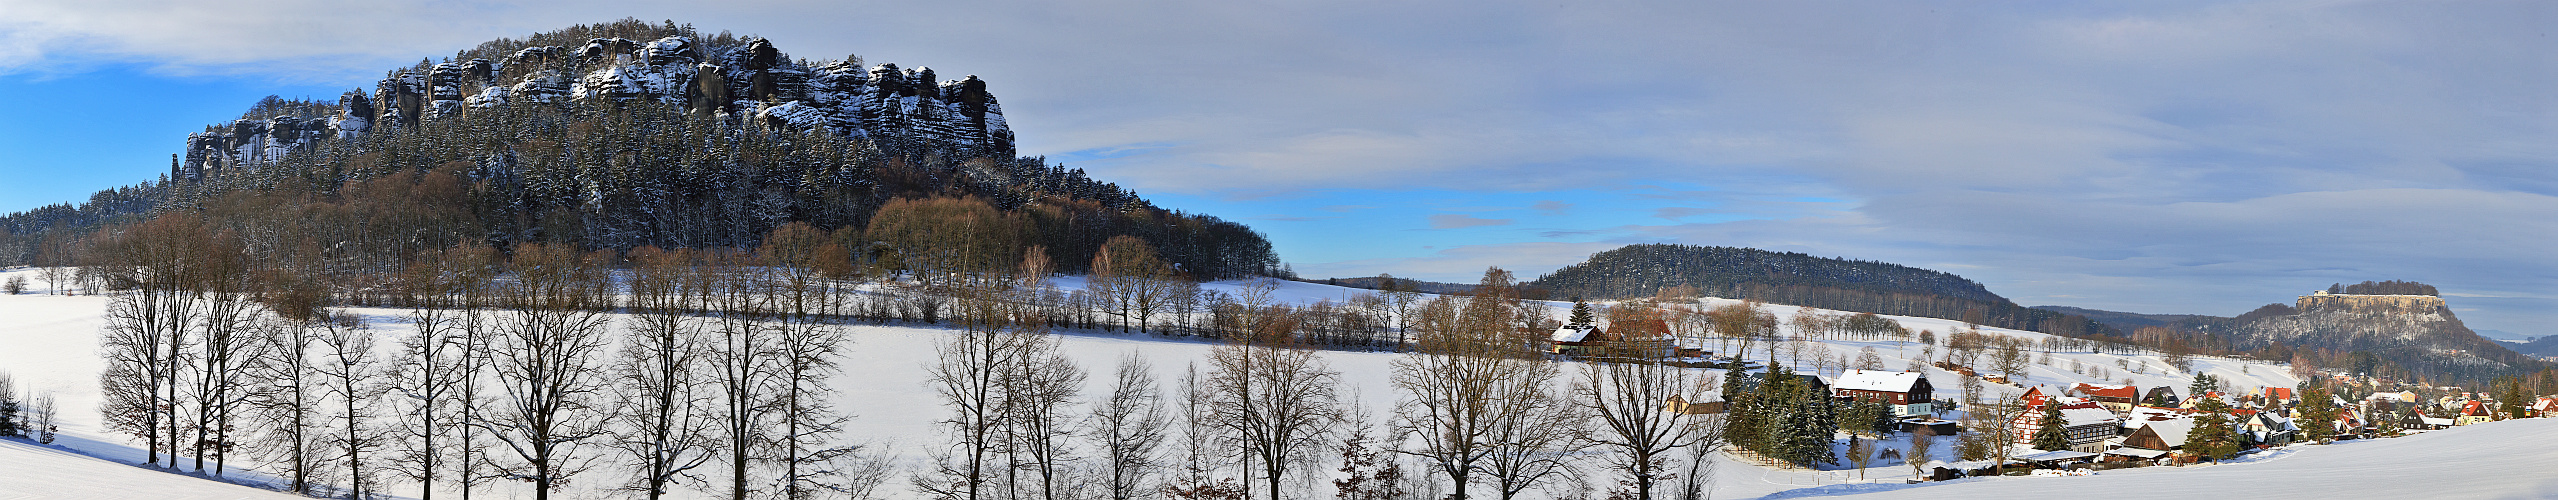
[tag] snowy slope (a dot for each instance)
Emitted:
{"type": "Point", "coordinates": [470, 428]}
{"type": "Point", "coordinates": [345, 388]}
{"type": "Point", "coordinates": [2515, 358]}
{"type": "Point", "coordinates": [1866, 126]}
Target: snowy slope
{"type": "Point", "coordinates": [31, 471]}
{"type": "Point", "coordinates": [53, 347]}
{"type": "Point", "coordinates": [2509, 459]}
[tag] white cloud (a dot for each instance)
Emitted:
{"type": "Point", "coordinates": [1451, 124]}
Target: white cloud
{"type": "Point", "coordinates": [2166, 156]}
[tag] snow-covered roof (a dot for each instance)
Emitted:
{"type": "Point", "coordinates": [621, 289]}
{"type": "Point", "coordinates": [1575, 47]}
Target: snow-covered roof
{"type": "Point", "coordinates": [2078, 416]}
{"type": "Point", "coordinates": [2106, 390]}
{"type": "Point", "coordinates": [2436, 421]}
{"type": "Point", "coordinates": [1574, 333]}
{"type": "Point", "coordinates": [2135, 452]}
{"type": "Point", "coordinates": [2146, 414]}
{"type": "Point", "coordinates": [1878, 380]}
{"type": "Point", "coordinates": [2171, 431]}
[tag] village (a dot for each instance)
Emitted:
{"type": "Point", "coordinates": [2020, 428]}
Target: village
{"type": "Point", "coordinates": [2015, 427]}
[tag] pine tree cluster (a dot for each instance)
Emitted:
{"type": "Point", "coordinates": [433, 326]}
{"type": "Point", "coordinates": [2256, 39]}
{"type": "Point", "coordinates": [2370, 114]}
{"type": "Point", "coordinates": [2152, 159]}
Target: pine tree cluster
{"type": "Point", "coordinates": [1779, 415]}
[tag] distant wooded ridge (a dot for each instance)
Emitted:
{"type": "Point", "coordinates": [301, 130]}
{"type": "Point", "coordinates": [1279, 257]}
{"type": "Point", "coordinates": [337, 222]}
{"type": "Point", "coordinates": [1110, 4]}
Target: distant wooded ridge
{"type": "Point", "coordinates": [1800, 279]}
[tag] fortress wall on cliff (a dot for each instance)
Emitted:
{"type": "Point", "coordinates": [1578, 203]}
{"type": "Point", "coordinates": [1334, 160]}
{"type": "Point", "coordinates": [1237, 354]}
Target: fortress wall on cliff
{"type": "Point", "coordinates": [2409, 304]}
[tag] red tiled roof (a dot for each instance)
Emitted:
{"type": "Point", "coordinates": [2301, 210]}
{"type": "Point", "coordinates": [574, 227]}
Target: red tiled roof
{"type": "Point", "coordinates": [2107, 391]}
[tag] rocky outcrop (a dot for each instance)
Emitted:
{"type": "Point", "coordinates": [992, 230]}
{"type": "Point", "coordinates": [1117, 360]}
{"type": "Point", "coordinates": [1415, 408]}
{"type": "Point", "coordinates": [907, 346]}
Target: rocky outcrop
{"type": "Point", "coordinates": [2411, 330]}
{"type": "Point", "coordinates": [250, 141]}
{"type": "Point", "coordinates": [2386, 304]}
{"type": "Point", "coordinates": [748, 83]}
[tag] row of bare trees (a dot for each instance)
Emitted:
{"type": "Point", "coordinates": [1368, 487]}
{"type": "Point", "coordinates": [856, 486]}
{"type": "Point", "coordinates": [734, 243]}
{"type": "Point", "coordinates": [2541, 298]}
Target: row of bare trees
{"type": "Point", "coordinates": [518, 369]}
{"type": "Point", "coordinates": [1481, 406]}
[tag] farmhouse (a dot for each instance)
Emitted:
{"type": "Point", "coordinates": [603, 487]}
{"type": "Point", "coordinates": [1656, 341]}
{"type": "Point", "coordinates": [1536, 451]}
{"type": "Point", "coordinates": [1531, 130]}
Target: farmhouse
{"type": "Point", "coordinates": [2474, 412]}
{"type": "Point", "coordinates": [1576, 339]}
{"type": "Point", "coordinates": [2118, 398]}
{"type": "Point", "coordinates": [2266, 427]}
{"type": "Point", "coordinates": [2158, 437]}
{"type": "Point", "coordinates": [1907, 392]}
{"type": "Point", "coordinates": [1591, 340]}
{"type": "Point", "coordinates": [2158, 396]}
{"type": "Point", "coordinates": [2086, 423]}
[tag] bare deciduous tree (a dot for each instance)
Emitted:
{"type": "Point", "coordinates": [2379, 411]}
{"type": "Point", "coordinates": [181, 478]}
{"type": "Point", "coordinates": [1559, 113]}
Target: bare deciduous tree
{"type": "Point", "coordinates": [1039, 391]}
{"type": "Point", "coordinates": [742, 360]}
{"type": "Point", "coordinates": [801, 261]}
{"type": "Point", "coordinates": [1128, 428]}
{"type": "Point", "coordinates": [1624, 396]}
{"type": "Point", "coordinates": [1463, 397]}
{"type": "Point", "coordinates": [1281, 403]}
{"type": "Point", "coordinates": [966, 376]}
{"type": "Point", "coordinates": [546, 358]}
{"type": "Point", "coordinates": [662, 411]}
{"type": "Point", "coordinates": [287, 399]}
{"type": "Point", "coordinates": [352, 373]}
{"type": "Point", "coordinates": [1137, 283]}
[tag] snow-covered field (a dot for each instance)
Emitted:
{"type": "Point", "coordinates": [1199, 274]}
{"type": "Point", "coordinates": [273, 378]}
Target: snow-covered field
{"type": "Point", "coordinates": [2509, 459]}
{"type": "Point", "coordinates": [28, 470]}
{"type": "Point", "coordinates": [50, 344]}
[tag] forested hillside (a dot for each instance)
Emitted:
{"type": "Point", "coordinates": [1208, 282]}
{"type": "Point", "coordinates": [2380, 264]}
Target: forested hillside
{"type": "Point", "coordinates": [621, 135]}
{"type": "Point", "coordinates": [1800, 279]}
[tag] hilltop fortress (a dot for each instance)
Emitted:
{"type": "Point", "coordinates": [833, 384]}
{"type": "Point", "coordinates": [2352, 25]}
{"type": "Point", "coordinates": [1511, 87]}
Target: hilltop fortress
{"type": "Point", "coordinates": [2344, 302]}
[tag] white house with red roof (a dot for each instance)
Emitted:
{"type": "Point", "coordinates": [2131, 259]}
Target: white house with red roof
{"type": "Point", "coordinates": [2119, 398]}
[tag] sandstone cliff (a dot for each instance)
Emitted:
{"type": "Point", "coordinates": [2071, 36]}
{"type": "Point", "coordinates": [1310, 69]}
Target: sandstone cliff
{"type": "Point", "coordinates": [743, 80]}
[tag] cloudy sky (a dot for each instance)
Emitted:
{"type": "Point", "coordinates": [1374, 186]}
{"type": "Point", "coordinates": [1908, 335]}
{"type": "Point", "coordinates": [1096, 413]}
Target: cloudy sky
{"type": "Point", "coordinates": [2164, 157]}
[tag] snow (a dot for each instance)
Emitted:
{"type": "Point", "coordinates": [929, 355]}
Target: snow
{"type": "Point", "coordinates": [2172, 432]}
{"type": "Point", "coordinates": [52, 347]}
{"type": "Point", "coordinates": [1875, 380]}
{"type": "Point", "coordinates": [36, 471]}
{"type": "Point", "coordinates": [2477, 461]}
{"type": "Point", "coordinates": [2086, 415]}
{"type": "Point", "coordinates": [1572, 333]}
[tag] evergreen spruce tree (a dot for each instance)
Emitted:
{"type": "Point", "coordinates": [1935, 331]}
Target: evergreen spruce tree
{"type": "Point", "coordinates": [1819, 424]}
{"type": "Point", "coordinates": [2212, 437]}
{"type": "Point", "coordinates": [2051, 436]}
{"type": "Point", "coordinates": [9, 408]}
{"type": "Point", "coordinates": [1742, 416]}
{"type": "Point", "coordinates": [1581, 313]}
{"type": "Point", "coordinates": [1882, 418]}
{"type": "Point", "coordinates": [2316, 414]}
{"type": "Point", "coordinates": [2203, 383]}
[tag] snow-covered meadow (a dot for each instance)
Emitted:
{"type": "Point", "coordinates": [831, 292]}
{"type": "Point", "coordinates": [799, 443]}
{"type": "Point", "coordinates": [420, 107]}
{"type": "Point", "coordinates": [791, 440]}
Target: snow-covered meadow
{"type": "Point", "coordinates": [50, 343]}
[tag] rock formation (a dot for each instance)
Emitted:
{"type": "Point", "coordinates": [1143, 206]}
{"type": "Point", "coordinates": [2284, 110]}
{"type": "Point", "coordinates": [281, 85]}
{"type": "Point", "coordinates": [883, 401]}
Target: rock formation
{"type": "Point", "coordinates": [750, 83]}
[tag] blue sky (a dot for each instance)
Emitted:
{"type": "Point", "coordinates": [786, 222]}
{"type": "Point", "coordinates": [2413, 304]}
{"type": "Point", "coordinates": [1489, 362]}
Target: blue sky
{"type": "Point", "coordinates": [2165, 157]}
